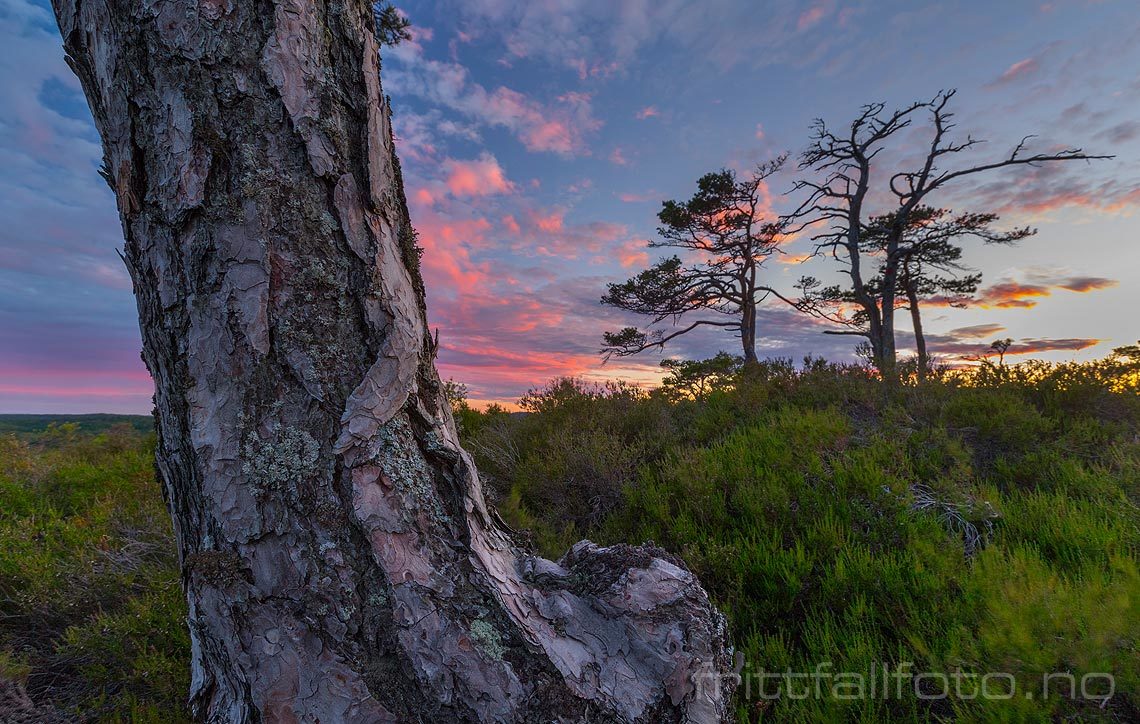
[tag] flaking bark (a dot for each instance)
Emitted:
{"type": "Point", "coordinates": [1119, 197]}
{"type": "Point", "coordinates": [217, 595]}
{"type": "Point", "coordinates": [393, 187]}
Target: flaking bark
{"type": "Point", "coordinates": [338, 557]}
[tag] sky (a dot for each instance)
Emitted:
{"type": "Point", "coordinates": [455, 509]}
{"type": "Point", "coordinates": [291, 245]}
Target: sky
{"type": "Point", "coordinates": [539, 138]}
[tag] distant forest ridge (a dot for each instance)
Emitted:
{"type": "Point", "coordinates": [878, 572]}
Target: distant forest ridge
{"type": "Point", "coordinates": [90, 424]}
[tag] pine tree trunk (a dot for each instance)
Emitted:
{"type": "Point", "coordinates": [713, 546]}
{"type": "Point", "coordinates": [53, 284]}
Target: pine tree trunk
{"type": "Point", "coordinates": [887, 352]}
{"type": "Point", "coordinates": [919, 335]}
{"type": "Point", "coordinates": [748, 333]}
{"type": "Point", "coordinates": [875, 340]}
{"type": "Point", "coordinates": [338, 557]}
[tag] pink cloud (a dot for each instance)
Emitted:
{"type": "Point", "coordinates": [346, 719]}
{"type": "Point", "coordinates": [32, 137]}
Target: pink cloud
{"type": "Point", "coordinates": [550, 136]}
{"type": "Point", "coordinates": [1016, 71]}
{"type": "Point", "coordinates": [597, 69]}
{"type": "Point", "coordinates": [480, 177]}
{"type": "Point", "coordinates": [1046, 189]}
{"type": "Point", "coordinates": [546, 233]}
{"type": "Point", "coordinates": [557, 129]}
{"type": "Point", "coordinates": [1013, 294]}
{"type": "Point", "coordinates": [647, 112]}
{"type": "Point", "coordinates": [550, 223]}
{"type": "Point", "coordinates": [810, 17]}
{"type": "Point", "coordinates": [617, 157]}
{"type": "Point", "coordinates": [633, 254]}
{"type": "Point", "coordinates": [448, 267]}
{"type": "Point", "coordinates": [1125, 202]}
{"type": "Point", "coordinates": [632, 198]}
{"type": "Point", "coordinates": [793, 258]}
{"type": "Point", "coordinates": [580, 186]}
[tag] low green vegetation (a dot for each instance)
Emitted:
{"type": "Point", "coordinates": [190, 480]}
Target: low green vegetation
{"type": "Point", "coordinates": [981, 523]}
{"type": "Point", "coordinates": [92, 618]}
{"type": "Point", "coordinates": [33, 425]}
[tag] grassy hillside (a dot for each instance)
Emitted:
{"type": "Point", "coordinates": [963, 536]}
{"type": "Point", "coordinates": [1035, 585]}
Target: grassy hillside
{"type": "Point", "coordinates": [980, 524]}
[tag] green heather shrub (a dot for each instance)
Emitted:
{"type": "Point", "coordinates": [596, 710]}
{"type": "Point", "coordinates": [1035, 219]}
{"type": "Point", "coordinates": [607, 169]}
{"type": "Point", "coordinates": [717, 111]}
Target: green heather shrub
{"type": "Point", "coordinates": [90, 605]}
{"type": "Point", "coordinates": [985, 522]}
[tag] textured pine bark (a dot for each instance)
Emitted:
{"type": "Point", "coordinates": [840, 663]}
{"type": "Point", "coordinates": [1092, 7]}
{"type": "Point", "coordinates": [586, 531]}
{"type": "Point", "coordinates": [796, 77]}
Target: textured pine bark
{"type": "Point", "coordinates": [338, 556]}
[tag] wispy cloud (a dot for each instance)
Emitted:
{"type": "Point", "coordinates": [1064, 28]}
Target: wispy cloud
{"type": "Point", "coordinates": [1052, 187]}
{"type": "Point", "coordinates": [1019, 70]}
{"type": "Point", "coordinates": [596, 69]}
{"type": "Point", "coordinates": [637, 198]}
{"type": "Point", "coordinates": [810, 17]}
{"type": "Point", "coordinates": [559, 127]}
{"type": "Point", "coordinates": [976, 331]}
{"type": "Point", "coordinates": [792, 258]}
{"type": "Point", "coordinates": [955, 349]}
{"type": "Point", "coordinates": [974, 342]}
{"type": "Point", "coordinates": [1048, 344]}
{"type": "Point", "coordinates": [612, 34]}
{"type": "Point", "coordinates": [1122, 132]}
{"type": "Point", "coordinates": [1086, 284]}
{"type": "Point", "coordinates": [1015, 294]}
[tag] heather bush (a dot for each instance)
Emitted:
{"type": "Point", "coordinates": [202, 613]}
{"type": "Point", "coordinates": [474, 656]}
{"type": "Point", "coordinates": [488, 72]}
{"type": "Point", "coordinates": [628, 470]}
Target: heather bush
{"type": "Point", "coordinates": [90, 605]}
{"type": "Point", "coordinates": [985, 521]}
